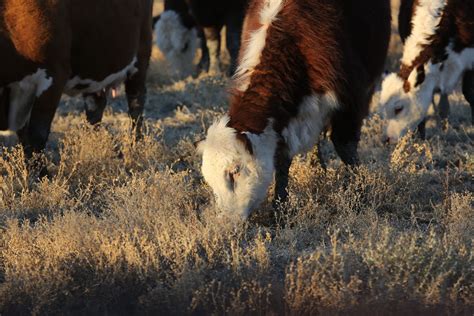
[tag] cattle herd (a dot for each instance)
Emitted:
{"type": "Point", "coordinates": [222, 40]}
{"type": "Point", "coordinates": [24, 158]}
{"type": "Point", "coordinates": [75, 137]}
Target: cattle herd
{"type": "Point", "coordinates": [299, 67]}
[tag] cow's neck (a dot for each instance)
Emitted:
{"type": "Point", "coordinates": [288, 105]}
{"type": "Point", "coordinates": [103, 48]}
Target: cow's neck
{"type": "Point", "coordinates": [429, 37]}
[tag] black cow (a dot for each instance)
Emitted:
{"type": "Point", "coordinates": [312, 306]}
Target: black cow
{"type": "Point", "coordinates": [184, 22]}
{"type": "Point", "coordinates": [405, 25]}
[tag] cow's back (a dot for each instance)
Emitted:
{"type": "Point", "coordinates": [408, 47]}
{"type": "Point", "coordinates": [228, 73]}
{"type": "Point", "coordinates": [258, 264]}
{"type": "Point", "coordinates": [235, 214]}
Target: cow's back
{"type": "Point", "coordinates": [207, 11]}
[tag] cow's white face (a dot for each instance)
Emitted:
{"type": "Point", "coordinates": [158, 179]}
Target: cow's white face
{"type": "Point", "coordinates": [178, 43]}
{"type": "Point", "coordinates": [239, 179]}
{"type": "Point", "coordinates": [402, 110]}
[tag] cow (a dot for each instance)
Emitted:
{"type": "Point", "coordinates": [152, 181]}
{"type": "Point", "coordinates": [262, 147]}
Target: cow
{"type": "Point", "coordinates": [405, 18]}
{"type": "Point", "coordinates": [303, 64]}
{"type": "Point", "coordinates": [48, 48]}
{"type": "Point", "coordinates": [437, 53]}
{"type": "Point", "coordinates": [184, 22]}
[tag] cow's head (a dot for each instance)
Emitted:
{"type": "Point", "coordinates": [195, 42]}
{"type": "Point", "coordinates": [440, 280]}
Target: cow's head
{"type": "Point", "coordinates": [176, 41]}
{"type": "Point", "coordinates": [405, 103]}
{"type": "Point", "coordinates": [238, 167]}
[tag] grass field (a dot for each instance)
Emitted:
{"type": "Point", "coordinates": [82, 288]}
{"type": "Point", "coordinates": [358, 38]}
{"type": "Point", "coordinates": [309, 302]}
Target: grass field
{"type": "Point", "coordinates": [130, 228]}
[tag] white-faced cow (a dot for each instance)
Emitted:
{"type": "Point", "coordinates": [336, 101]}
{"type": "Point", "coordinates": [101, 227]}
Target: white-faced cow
{"type": "Point", "coordinates": [184, 22]}
{"type": "Point", "coordinates": [303, 63]}
{"type": "Point", "coordinates": [437, 53]}
{"type": "Point", "coordinates": [77, 47]}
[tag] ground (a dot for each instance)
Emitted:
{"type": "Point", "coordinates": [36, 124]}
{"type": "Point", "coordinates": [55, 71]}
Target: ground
{"type": "Point", "coordinates": [125, 227]}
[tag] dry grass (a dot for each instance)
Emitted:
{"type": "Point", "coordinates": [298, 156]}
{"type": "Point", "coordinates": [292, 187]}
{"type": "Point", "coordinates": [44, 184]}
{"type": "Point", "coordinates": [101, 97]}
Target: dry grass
{"type": "Point", "coordinates": [129, 228]}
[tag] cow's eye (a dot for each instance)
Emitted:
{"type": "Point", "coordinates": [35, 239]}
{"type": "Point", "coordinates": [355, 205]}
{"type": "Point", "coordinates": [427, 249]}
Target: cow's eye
{"type": "Point", "coordinates": [398, 109]}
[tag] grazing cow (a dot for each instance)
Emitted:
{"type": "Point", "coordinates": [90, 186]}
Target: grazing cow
{"type": "Point", "coordinates": [77, 47]}
{"type": "Point", "coordinates": [405, 18]}
{"type": "Point", "coordinates": [437, 53]}
{"type": "Point", "coordinates": [183, 22]}
{"type": "Point", "coordinates": [304, 63]}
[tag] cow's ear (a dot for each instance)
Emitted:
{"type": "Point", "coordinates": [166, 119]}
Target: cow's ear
{"type": "Point", "coordinates": [199, 145]}
{"type": "Point", "coordinates": [155, 19]}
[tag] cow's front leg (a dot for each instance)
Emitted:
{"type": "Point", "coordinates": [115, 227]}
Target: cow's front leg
{"type": "Point", "coordinates": [345, 136]}
{"type": "Point", "coordinates": [233, 35]}
{"type": "Point", "coordinates": [317, 158]}
{"type": "Point", "coordinates": [95, 105]}
{"type": "Point", "coordinates": [443, 110]}
{"type": "Point", "coordinates": [282, 171]}
{"type": "Point", "coordinates": [203, 65]}
{"type": "Point", "coordinates": [468, 91]}
{"type": "Point", "coordinates": [135, 85]}
{"type": "Point", "coordinates": [136, 98]}
{"type": "Point", "coordinates": [213, 38]}
{"type": "Point", "coordinates": [421, 130]}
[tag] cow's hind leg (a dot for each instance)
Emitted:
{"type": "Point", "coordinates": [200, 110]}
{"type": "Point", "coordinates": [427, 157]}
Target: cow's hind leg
{"type": "Point", "coordinates": [95, 106]}
{"type": "Point", "coordinates": [8, 138]}
{"type": "Point", "coordinates": [35, 134]}
{"type": "Point", "coordinates": [213, 38]}
{"type": "Point", "coordinates": [468, 91]}
{"type": "Point", "coordinates": [4, 100]}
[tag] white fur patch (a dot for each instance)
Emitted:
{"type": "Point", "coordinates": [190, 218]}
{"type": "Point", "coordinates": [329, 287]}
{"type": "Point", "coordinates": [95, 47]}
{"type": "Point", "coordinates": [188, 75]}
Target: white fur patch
{"type": "Point", "coordinates": [425, 22]}
{"type": "Point", "coordinates": [96, 86]}
{"type": "Point", "coordinates": [254, 48]}
{"type": "Point", "coordinates": [303, 131]}
{"type": "Point", "coordinates": [391, 87]}
{"type": "Point", "coordinates": [178, 43]}
{"type": "Point", "coordinates": [22, 96]}
{"type": "Point", "coordinates": [222, 152]}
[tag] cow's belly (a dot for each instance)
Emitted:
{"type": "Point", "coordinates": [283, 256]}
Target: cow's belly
{"type": "Point", "coordinates": [78, 84]}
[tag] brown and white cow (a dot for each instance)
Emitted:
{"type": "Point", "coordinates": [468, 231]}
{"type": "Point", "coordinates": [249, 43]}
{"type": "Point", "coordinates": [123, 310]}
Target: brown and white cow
{"type": "Point", "coordinates": [405, 17]}
{"type": "Point", "coordinates": [304, 63]}
{"type": "Point", "coordinates": [76, 47]}
{"type": "Point", "coordinates": [184, 22]}
{"type": "Point", "coordinates": [437, 53]}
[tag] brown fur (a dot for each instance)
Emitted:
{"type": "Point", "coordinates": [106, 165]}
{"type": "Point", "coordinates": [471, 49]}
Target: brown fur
{"type": "Point", "coordinates": [319, 46]}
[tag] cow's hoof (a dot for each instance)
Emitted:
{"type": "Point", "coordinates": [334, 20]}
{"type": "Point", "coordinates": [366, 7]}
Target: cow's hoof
{"type": "Point", "coordinates": [8, 139]}
{"type": "Point", "coordinates": [444, 125]}
{"type": "Point", "coordinates": [93, 118]}
{"type": "Point", "coordinates": [215, 70]}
